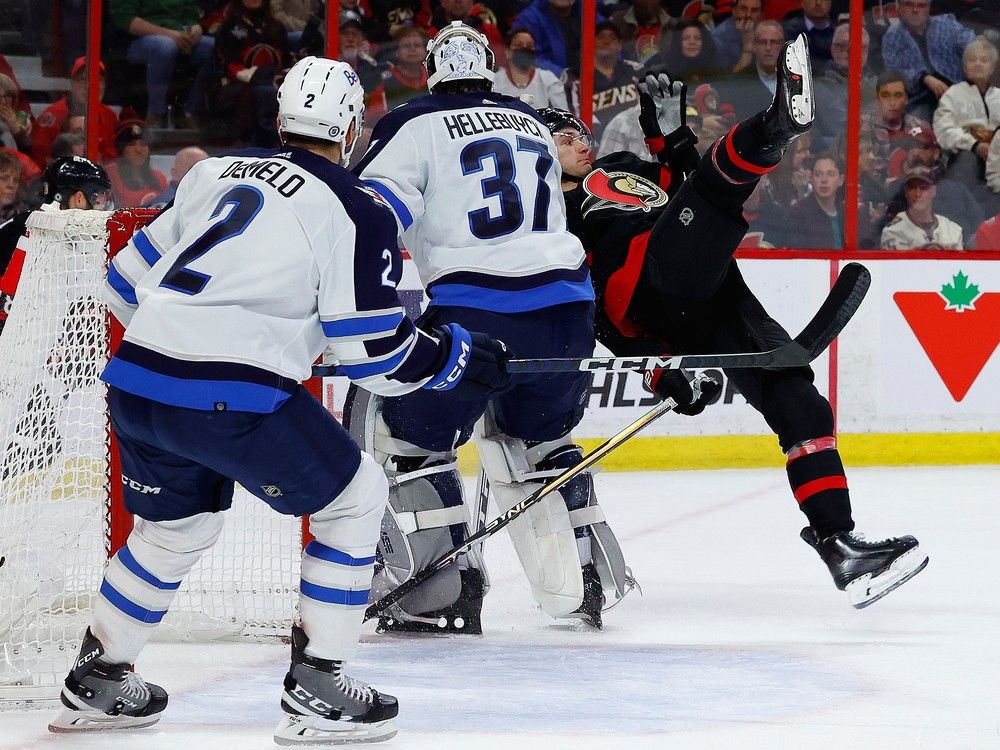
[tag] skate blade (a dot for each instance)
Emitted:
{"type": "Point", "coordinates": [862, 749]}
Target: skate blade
{"type": "Point", "coordinates": [868, 589]}
{"type": "Point", "coordinates": [69, 720]}
{"type": "Point", "coordinates": [803, 110]}
{"type": "Point", "coordinates": [315, 730]}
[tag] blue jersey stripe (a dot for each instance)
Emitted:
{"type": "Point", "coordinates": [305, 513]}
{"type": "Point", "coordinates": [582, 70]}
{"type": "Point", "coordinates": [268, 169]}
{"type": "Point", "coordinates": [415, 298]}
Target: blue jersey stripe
{"type": "Point", "coordinates": [497, 300]}
{"type": "Point", "coordinates": [120, 284]}
{"type": "Point", "coordinates": [332, 595]}
{"type": "Point", "coordinates": [370, 369]}
{"type": "Point", "coordinates": [204, 395]}
{"type": "Point", "coordinates": [400, 209]}
{"type": "Point", "coordinates": [362, 326]}
{"type": "Point", "coordinates": [132, 565]}
{"type": "Point", "coordinates": [133, 610]}
{"type": "Point", "coordinates": [322, 552]}
{"type": "Point", "coordinates": [149, 253]}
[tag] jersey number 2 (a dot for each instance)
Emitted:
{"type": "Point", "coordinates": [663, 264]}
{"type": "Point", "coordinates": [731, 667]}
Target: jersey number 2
{"type": "Point", "coordinates": [245, 202]}
{"type": "Point", "coordinates": [511, 216]}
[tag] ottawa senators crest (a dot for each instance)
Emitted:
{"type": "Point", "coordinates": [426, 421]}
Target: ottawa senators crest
{"type": "Point", "coordinates": [621, 190]}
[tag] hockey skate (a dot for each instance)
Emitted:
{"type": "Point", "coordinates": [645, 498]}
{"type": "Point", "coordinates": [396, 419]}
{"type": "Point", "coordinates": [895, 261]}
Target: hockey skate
{"type": "Point", "coordinates": [867, 571]}
{"type": "Point", "coordinates": [593, 599]}
{"type": "Point", "coordinates": [99, 696]}
{"type": "Point", "coordinates": [793, 109]}
{"type": "Point", "coordinates": [462, 617]}
{"type": "Point", "coordinates": [323, 706]}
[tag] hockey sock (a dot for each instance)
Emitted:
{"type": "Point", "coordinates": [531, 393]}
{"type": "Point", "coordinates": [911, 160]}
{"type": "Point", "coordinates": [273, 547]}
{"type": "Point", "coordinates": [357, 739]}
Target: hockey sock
{"type": "Point", "coordinates": [142, 579]}
{"type": "Point", "coordinates": [338, 565]}
{"type": "Point", "coordinates": [730, 170]}
{"type": "Point", "coordinates": [816, 475]}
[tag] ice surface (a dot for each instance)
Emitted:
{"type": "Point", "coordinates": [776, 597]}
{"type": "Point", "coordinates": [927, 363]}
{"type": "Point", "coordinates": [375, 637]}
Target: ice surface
{"type": "Point", "coordinates": [739, 640]}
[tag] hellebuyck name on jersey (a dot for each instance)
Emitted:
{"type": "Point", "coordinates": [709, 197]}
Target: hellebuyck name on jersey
{"type": "Point", "coordinates": [465, 124]}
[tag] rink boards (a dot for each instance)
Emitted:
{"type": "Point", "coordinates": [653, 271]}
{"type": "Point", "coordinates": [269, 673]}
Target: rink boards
{"type": "Point", "coordinates": [914, 378]}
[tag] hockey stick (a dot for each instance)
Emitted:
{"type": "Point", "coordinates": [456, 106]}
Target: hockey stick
{"type": "Point", "coordinates": [507, 516]}
{"type": "Point", "coordinates": [837, 309]}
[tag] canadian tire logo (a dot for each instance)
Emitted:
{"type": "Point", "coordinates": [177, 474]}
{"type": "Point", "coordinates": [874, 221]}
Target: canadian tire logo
{"type": "Point", "coordinates": [958, 328]}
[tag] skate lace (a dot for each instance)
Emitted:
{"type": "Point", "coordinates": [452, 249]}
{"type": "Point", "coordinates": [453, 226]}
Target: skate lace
{"type": "Point", "coordinates": [133, 686]}
{"type": "Point", "coordinates": [352, 688]}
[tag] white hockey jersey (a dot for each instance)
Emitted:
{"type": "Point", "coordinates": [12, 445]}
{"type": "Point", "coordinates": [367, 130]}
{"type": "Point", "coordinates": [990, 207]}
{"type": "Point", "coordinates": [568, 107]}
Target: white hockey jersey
{"type": "Point", "coordinates": [263, 259]}
{"type": "Point", "coordinates": [474, 181]}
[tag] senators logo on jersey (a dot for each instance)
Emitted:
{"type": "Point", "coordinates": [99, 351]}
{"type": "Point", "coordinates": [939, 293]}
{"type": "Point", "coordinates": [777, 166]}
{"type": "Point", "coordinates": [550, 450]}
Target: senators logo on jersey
{"type": "Point", "coordinates": [621, 191]}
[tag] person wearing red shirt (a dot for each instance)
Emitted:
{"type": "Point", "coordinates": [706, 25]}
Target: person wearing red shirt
{"type": "Point", "coordinates": [54, 119]}
{"type": "Point", "coordinates": [132, 179]}
{"type": "Point", "coordinates": [988, 235]}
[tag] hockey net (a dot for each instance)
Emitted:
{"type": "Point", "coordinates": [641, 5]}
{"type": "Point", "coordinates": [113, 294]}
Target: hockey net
{"type": "Point", "coordinates": [60, 510]}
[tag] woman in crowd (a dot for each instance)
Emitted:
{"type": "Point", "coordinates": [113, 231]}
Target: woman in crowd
{"type": "Point", "coordinates": [406, 76]}
{"type": "Point", "coordinates": [132, 178]}
{"type": "Point", "coordinates": [252, 48]}
{"type": "Point", "coordinates": [688, 53]}
{"type": "Point", "coordinates": [10, 186]}
{"type": "Point", "coordinates": [15, 123]}
{"type": "Point", "coordinates": [521, 78]}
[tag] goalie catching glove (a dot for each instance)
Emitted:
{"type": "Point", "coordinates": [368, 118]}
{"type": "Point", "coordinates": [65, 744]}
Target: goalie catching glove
{"type": "Point", "coordinates": [691, 401]}
{"type": "Point", "coordinates": [663, 117]}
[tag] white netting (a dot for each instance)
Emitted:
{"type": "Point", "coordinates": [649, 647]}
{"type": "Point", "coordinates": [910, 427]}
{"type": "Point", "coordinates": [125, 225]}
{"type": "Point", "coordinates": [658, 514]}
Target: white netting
{"type": "Point", "coordinates": [55, 488]}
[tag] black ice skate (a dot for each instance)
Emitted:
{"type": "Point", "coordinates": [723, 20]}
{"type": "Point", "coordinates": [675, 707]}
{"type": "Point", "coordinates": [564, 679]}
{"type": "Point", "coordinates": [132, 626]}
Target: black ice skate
{"type": "Point", "coordinates": [593, 599]}
{"type": "Point", "coordinates": [323, 706]}
{"type": "Point", "coordinates": [867, 571]}
{"type": "Point", "coordinates": [793, 109]}
{"type": "Point", "coordinates": [462, 617]}
{"type": "Point", "coordinates": [99, 695]}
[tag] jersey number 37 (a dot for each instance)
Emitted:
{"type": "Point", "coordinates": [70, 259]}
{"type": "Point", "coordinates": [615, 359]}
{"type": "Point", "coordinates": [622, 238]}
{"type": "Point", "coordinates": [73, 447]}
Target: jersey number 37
{"type": "Point", "coordinates": [504, 186]}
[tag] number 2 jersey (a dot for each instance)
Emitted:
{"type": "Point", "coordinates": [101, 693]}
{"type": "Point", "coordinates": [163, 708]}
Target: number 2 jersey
{"type": "Point", "coordinates": [474, 182]}
{"type": "Point", "coordinates": [263, 259]}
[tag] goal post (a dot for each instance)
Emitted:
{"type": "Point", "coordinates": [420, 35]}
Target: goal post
{"type": "Point", "coordinates": [61, 509]}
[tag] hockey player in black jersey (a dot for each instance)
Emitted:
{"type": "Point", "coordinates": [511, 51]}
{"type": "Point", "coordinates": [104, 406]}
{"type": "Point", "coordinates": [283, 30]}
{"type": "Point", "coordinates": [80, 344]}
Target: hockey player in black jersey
{"type": "Point", "coordinates": [660, 237]}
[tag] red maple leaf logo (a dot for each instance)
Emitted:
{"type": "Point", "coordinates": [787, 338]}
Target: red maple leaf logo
{"type": "Point", "coordinates": [958, 328]}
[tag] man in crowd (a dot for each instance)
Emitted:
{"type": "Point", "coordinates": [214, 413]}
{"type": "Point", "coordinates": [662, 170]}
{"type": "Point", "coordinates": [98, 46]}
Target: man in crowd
{"type": "Point", "coordinates": [918, 227]}
{"type": "Point", "coordinates": [615, 79]}
{"type": "Point", "coordinates": [556, 28]}
{"type": "Point", "coordinates": [816, 23]}
{"type": "Point", "coordinates": [751, 91]}
{"type": "Point", "coordinates": [927, 51]}
{"type": "Point", "coordinates": [832, 87]}
{"type": "Point", "coordinates": [183, 161]}
{"type": "Point", "coordinates": [56, 118]}
{"type": "Point", "coordinates": [817, 221]}
{"type": "Point", "coordinates": [734, 36]}
{"type": "Point", "coordinates": [641, 26]}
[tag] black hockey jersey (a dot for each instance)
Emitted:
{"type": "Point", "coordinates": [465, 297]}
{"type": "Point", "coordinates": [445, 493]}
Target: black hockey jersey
{"type": "Point", "coordinates": [612, 212]}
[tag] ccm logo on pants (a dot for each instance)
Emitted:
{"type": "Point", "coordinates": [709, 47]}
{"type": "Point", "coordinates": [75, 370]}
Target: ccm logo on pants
{"type": "Point", "coordinates": [145, 489]}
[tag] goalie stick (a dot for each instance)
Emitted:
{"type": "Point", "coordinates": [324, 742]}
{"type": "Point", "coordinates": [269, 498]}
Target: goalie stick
{"type": "Point", "coordinates": [506, 517]}
{"type": "Point", "coordinates": [837, 309]}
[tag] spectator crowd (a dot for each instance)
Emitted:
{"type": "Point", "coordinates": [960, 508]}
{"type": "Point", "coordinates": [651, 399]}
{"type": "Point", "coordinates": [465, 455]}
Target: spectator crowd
{"type": "Point", "coordinates": [185, 78]}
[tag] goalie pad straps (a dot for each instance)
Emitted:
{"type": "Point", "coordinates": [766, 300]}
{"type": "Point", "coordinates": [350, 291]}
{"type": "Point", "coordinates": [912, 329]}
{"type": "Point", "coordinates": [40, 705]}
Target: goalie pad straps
{"type": "Point", "coordinates": [816, 475]}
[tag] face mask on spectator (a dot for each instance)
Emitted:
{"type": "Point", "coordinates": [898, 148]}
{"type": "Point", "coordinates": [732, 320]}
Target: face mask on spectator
{"type": "Point", "coordinates": [523, 59]}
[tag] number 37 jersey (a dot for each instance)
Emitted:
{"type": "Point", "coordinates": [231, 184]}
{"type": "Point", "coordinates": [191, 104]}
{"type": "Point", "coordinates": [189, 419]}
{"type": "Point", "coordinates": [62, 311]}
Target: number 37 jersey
{"type": "Point", "coordinates": [474, 182]}
{"type": "Point", "coordinates": [264, 259]}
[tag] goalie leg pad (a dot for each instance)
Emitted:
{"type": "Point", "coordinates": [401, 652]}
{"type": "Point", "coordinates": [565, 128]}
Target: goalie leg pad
{"type": "Point", "coordinates": [426, 517]}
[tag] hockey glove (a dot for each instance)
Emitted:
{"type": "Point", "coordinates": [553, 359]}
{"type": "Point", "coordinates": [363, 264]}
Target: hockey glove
{"type": "Point", "coordinates": [663, 116]}
{"type": "Point", "coordinates": [473, 365]}
{"type": "Point", "coordinates": [673, 384]}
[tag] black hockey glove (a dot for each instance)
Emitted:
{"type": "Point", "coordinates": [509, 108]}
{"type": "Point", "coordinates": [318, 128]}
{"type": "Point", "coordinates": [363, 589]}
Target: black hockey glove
{"type": "Point", "coordinates": [663, 116]}
{"type": "Point", "coordinates": [472, 365]}
{"type": "Point", "coordinates": [674, 384]}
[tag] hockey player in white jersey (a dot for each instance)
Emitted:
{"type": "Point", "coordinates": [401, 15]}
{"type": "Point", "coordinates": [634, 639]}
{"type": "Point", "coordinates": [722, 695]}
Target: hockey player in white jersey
{"type": "Point", "coordinates": [263, 259]}
{"type": "Point", "coordinates": [473, 177]}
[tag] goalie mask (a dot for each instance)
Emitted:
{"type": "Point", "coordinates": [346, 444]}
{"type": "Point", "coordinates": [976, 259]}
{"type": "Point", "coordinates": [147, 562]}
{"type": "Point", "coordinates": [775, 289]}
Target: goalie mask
{"type": "Point", "coordinates": [459, 53]}
{"type": "Point", "coordinates": [319, 99]}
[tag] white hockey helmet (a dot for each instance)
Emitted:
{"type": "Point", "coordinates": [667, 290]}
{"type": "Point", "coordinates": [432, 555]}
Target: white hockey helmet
{"type": "Point", "coordinates": [458, 53]}
{"type": "Point", "coordinates": [320, 98]}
